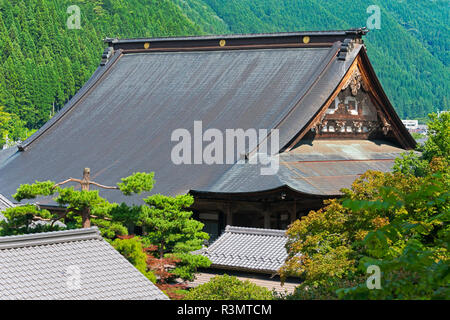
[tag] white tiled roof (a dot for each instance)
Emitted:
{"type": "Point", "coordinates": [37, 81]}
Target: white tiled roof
{"type": "Point", "coordinates": [251, 249]}
{"type": "Point", "coordinates": [47, 265]}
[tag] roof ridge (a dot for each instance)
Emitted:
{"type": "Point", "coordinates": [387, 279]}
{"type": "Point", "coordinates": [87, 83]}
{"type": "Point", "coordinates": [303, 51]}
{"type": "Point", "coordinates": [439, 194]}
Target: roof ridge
{"type": "Point", "coordinates": [248, 41]}
{"type": "Point", "coordinates": [355, 32]}
{"type": "Point", "coordinates": [246, 256]}
{"type": "Point", "coordinates": [45, 238]}
{"type": "Point", "coordinates": [256, 231]}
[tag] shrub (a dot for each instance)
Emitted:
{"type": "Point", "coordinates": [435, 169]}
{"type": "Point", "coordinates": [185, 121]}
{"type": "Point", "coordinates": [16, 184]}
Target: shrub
{"type": "Point", "coordinates": [228, 288]}
{"type": "Point", "coordinates": [133, 251]}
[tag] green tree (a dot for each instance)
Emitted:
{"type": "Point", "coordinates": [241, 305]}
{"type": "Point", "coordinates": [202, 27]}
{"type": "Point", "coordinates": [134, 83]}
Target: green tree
{"type": "Point", "coordinates": [438, 142]}
{"type": "Point", "coordinates": [12, 129]}
{"type": "Point", "coordinates": [169, 226]}
{"type": "Point", "coordinates": [133, 251]}
{"type": "Point", "coordinates": [80, 207]}
{"type": "Point", "coordinates": [228, 288]}
{"type": "Point", "coordinates": [397, 221]}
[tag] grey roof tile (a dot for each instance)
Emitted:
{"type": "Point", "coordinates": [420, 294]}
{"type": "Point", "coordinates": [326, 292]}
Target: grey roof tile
{"type": "Point", "coordinates": [252, 249]}
{"type": "Point", "coordinates": [38, 266]}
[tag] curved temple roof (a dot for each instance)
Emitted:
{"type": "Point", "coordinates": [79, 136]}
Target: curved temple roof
{"type": "Point", "coordinates": [121, 121]}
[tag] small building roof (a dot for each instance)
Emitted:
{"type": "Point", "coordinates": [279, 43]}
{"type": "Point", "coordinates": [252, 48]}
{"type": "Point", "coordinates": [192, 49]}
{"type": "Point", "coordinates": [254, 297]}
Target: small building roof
{"type": "Point", "coordinates": [69, 265]}
{"type": "Point", "coordinates": [248, 249]}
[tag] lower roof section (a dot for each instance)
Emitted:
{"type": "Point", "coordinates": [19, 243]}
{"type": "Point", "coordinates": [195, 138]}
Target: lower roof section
{"type": "Point", "coordinates": [319, 167]}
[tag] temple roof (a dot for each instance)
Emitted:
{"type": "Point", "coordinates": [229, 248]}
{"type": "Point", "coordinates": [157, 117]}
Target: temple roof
{"type": "Point", "coordinates": [121, 121]}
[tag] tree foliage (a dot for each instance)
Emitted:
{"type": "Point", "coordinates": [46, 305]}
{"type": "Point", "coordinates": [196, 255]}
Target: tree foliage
{"type": "Point", "coordinates": [75, 204]}
{"type": "Point", "coordinates": [133, 251]}
{"type": "Point", "coordinates": [228, 288]}
{"type": "Point", "coordinates": [409, 52]}
{"type": "Point", "coordinates": [137, 183]}
{"type": "Point", "coordinates": [72, 202]}
{"type": "Point", "coordinates": [169, 225]}
{"type": "Point", "coordinates": [12, 129]}
{"type": "Point", "coordinates": [397, 221]}
{"type": "Point", "coordinates": [26, 219]}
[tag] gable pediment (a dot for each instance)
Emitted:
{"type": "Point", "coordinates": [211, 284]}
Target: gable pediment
{"type": "Point", "coordinates": [358, 109]}
{"type": "Point", "coordinates": [353, 113]}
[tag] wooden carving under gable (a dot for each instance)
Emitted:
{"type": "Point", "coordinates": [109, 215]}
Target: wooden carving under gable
{"type": "Point", "coordinates": [352, 114]}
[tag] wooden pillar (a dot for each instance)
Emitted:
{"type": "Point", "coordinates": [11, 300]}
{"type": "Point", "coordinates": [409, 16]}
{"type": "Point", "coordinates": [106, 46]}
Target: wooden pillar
{"type": "Point", "coordinates": [293, 212]}
{"type": "Point", "coordinates": [228, 214]}
{"type": "Point", "coordinates": [266, 217]}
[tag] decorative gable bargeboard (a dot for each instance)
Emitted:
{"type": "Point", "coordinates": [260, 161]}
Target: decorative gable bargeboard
{"type": "Point", "coordinates": [354, 111]}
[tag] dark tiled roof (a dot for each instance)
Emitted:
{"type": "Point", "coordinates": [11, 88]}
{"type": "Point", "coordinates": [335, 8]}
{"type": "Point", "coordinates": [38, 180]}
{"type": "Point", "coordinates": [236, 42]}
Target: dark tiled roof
{"type": "Point", "coordinates": [121, 122]}
{"type": "Point", "coordinates": [7, 154]}
{"type": "Point", "coordinates": [43, 266]}
{"type": "Point", "coordinates": [251, 249]}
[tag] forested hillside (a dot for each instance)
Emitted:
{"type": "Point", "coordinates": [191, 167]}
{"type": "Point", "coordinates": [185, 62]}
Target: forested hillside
{"type": "Point", "coordinates": [410, 51]}
{"type": "Point", "coordinates": [43, 63]}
